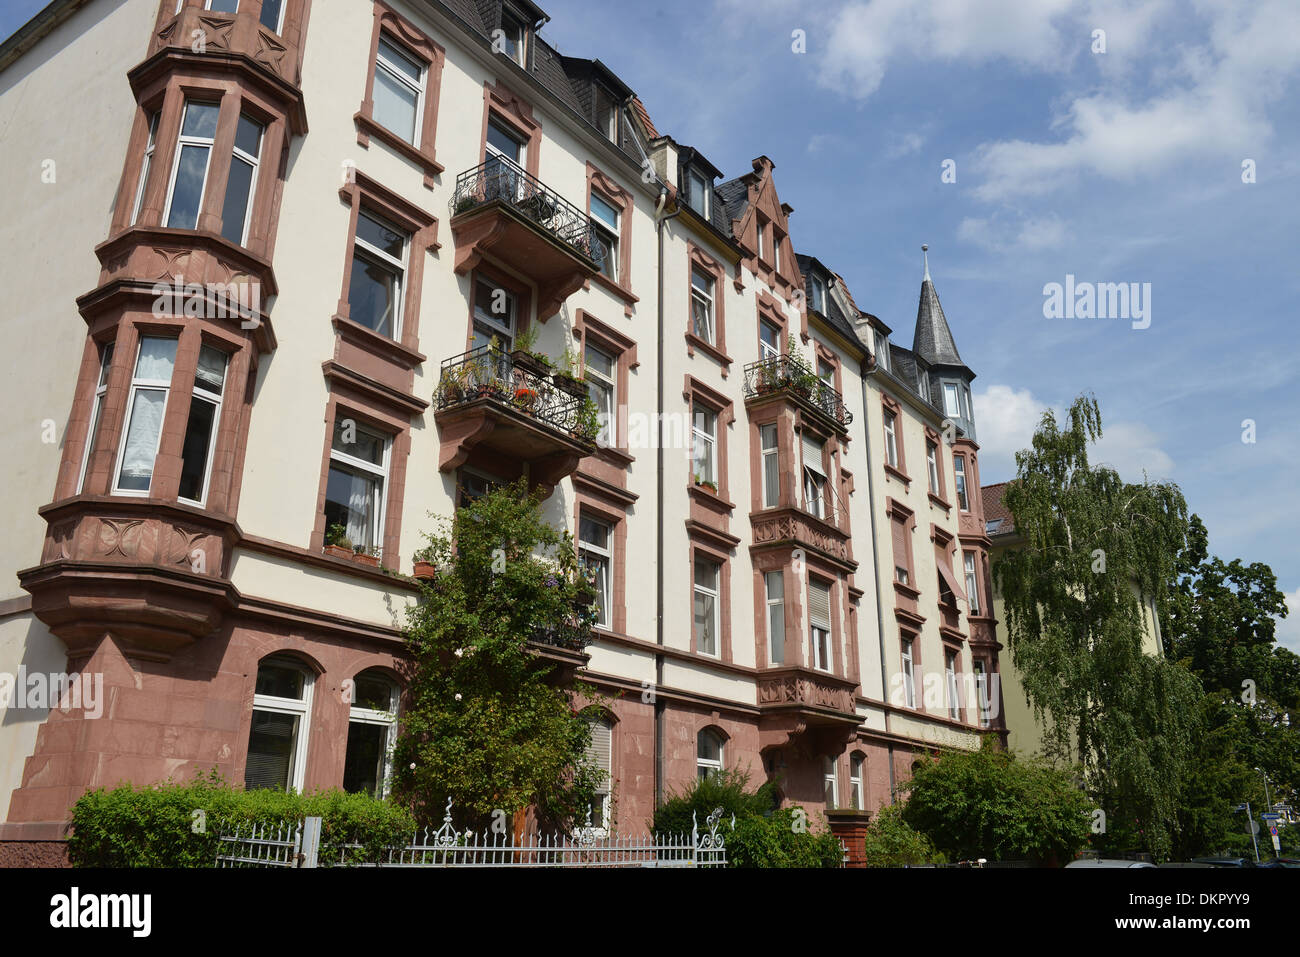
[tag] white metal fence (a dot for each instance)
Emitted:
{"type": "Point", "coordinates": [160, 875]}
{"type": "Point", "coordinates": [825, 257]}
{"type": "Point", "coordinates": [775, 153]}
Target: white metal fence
{"type": "Point", "coordinates": [297, 844]}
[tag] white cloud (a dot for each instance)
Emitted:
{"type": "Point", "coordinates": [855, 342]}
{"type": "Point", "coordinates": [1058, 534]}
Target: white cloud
{"type": "Point", "coordinates": [1000, 234]}
{"type": "Point", "coordinates": [904, 144]}
{"type": "Point", "coordinates": [1005, 420]}
{"type": "Point", "coordinates": [1288, 628]}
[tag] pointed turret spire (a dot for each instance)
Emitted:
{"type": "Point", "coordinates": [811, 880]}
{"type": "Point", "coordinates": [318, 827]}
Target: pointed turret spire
{"type": "Point", "coordinates": [933, 340]}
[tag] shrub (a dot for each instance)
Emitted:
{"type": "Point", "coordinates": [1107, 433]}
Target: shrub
{"type": "Point", "coordinates": [892, 842]}
{"type": "Point", "coordinates": [154, 826]}
{"type": "Point", "coordinates": [728, 790]}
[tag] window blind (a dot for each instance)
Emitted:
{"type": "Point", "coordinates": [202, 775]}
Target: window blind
{"type": "Point", "coordinates": [812, 454]}
{"type": "Point", "coordinates": [819, 606]}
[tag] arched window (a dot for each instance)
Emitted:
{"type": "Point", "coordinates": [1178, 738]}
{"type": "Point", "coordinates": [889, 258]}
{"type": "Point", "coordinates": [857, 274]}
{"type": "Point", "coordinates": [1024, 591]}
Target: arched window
{"type": "Point", "coordinates": [708, 753]}
{"type": "Point", "coordinates": [372, 727]}
{"type": "Point", "coordinates": [277, 739]}
{"type": "Point", "coordinates": [855, 782]}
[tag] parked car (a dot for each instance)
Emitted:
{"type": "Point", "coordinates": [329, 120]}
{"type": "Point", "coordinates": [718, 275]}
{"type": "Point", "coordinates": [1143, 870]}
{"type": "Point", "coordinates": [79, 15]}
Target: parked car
{"type": "Point", "coordinates": [1224, 861]}
{"type": "Point", "coordinates": [1107, 862]}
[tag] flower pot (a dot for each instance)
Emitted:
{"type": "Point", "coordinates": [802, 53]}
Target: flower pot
{"type": "Point", "coordinates": [525, 360]}
{"type": "Point", "coordinates": [569, 385]}
{"type": "Point", "coordinates": [525, 398]}
{"type": "Point", "coordinates": [426, 570]}
{"type": "Point", "coordinates": [338, 551]}
{"type": "Point", "coordinates": [369, 560]}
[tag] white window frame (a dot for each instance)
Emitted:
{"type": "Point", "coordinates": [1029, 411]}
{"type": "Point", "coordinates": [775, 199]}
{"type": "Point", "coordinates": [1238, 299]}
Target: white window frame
{"type": "Point", "coordinates": [820, 638]}
{"type": "Point", "coordinates": [769, 350]}
{"type": "Point", "coordinates": [909, 672]}
{"type": "Point", "coordinates": [207, 5]}
{"type": "Point", "coordinates": [213, 399]}
{"type": "Point", "coordinates": [830, 782]}
{"type": "Point", "coordinates": [857, 796]}
{"type": "Point", "coordinates": [710, 765]}
{"type": "Point", "coordinates": [950, 681]}
{"type": "Point", "coordinates": [386, 259]}
{"type": "Point", "coordinates": [608, 437]}
{"type": "Point", "coordinates": [244, 156]}
{"type": "Point", "coordinates": [380, 472]}
{"type": "Point", "coordinates": [932, 465]}
{"type": "Point", "coordinates": [709, 441]}
{"type": "Point", "coordinates": [775, 612]}
{"type": "Point", "coordinates": [493, 151]}
{"type": "Point", "coordinates": [138, 385]}
{"type": "Point", "coordinates": [699, 186]}
{"type": "Point", "coordinates": [705, 296]}
{"type": "Point", "coordinates": [484, 314]}
{"type": "Point", "coordinates": [972, 581]}
{"type": "Point", "coordinates": [814, 491]}
{"type": "Point", "coordinates": [891, 438]}
{"type": "Point", "coordinates": [607, 795]}
{"type": "Point", "coordinates": [418, 87]}
{"type": "Point", "coordinates": [951, 399]}
{"type": "Point", "coordinates": [716, 594]}
{"type": "Point", "coordinates": [146, 165]}
{"type": "Point", "coordinates": [959, 479]}
{"type": "Point", "coordinates": [759, 227]}
{"type": "Point", "coordinates": [279, 20]}
{"type": "Point", "coordinates": [182, 141]}
{"type": "Point", "coordinates": [982, 704]}
{"type": "Point", "coordinates": [776, 250]}
{"type": "Point", "coordinates": [606, 554]}
{"type": "Point", "coordinates": [299, 707]}
{"type": "Point", "coordinates": [770, 455]}
{"type": "Point", "coordinates": [105, 366]}
{"type": "Point", "coordinates": [510, 18]}
{"type": "Point", "coordinates": [386, 718]}
{"type": "Point", "coordinates": [609, 233]}
{"type": "Point", "coordinates": [818, 293]}
{"type": "Point", "coordinates": [882, 350]}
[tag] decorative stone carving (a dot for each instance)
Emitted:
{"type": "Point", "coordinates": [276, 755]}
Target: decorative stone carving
{"type": "Point", "coordinates": [120, 536]}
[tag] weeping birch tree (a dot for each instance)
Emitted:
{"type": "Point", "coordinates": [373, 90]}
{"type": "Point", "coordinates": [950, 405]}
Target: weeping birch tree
{"type": "Point", "coordinates": [1095, 551]}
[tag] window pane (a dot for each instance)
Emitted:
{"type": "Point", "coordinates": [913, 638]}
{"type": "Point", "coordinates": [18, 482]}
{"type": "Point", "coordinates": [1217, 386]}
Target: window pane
{"type": "Point", "coordinates": [708, 746]}
{"type": "Point", "coordinates": [356, 441]}
{"type": "Point", "coordinates": [352, 500]}
{"type": "Point", "coordinates": [702, 282]}
{"type": "Point", "coordinates": [394, 105]}
{"type": "Point", "coordinates": [211, 374]}
{"type": "Point", "coordinates": [604, 212]}
{"type": "Point", "coordinates": [142, 440]}
{"type": "Point", "coordinates": [400, 61]}
{"type": "Point", "coordinates": [380, 236]}
{"type": "Point", "coordinates": [157, 357]}
{"type": "Point", "coordinates": [223, 6]}
{"type": "Point", "coordinates": [271, 744]}
{"type": "Point", "coordinates": [593, 533]}
{"type": "Point", "coordinates": [235, 209]}
{"type": "Point", "coordinates": [279, 680]}
{"type": "Point", "coordinates": [599, 362]}
{"type": "Point", "coordinates": [271, 14]}
{"type": "Point", "coordinates": [372, 294]}
{"type": "Point", "coordinates": [372, 692]}
{"type": "Point", "coordinates": [194, 451]}
{"type": "Point", "coordinates": [200, 120]}
{"type": "Point", "coordinates": [363, 766]}
{"type": "Point", "coordinates": [504, 143]}
{"type": "Point", "coordinates": [187, 194]}
{"type": "Point", "coordinates": [248, 136]}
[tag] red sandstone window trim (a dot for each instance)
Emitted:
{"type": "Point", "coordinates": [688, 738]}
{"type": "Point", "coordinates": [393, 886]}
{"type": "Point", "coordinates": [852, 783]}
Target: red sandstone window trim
{"type": "Point", "coordinates": [616, 196]}
{"type": "Point", "coordinates": [396, 29]}
{"type": "Point", "coordinates": [588, 329]}
{"type": "Point", "coordinates": [502, 104]}
{"type": "Point", "coordinates": [697, 258]}
{"type": "Point", "coordinates": [694, 391]}
{"type": "Point", "coordinates": [615, 516]}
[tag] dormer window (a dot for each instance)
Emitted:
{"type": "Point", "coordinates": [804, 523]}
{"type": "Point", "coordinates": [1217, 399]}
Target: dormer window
{"type": "Point", "coordinates": [697, 193]}
{"type": "Point", "coordinates": [514, 37]}
{"type": "Point", "coordinates": [882, 350]}
{"type": "Point", "coordinates": [606, 118]}
{"type": "Point", "coordinates": [817, 294]}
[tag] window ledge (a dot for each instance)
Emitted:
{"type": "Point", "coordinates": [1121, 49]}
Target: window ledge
{"type": "Point", "coordinates": [694, 342]}
{"type": "Point", "coordinates": [615, 456]}
{"type": "Point", "coordinates": [907, 590]}
{"type": "Point", "coordinates": [367, 127]}
{"type": "Point", "coordinates": [618, 289]}
{"type": "Point", "coordinates": [716, 498]}
{"type": "Point", "coordinates": [898, 474]}
{"type": "Point", "coordinates": [937, 500]}
{"type": "Point", "coordinates": [356, 333]}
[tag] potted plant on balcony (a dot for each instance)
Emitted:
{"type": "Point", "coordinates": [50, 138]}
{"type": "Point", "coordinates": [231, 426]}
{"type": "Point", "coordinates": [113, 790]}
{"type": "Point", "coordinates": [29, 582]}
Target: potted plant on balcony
{"type": "Point", "coordinates": [336, 541]}
{"type": "Point", "coordinates": [526, 357]}
{"type": "Point", "coordinates": [366, 555]}
{"type": "Point", "coordinates": [452, 385]}
{"type": "Point", "coordinates": [463, 203]}
{"type": "Point", "coordinates": [525, 398]}
{"type": "Point", "coordinates": [568, 378]}
{"type": "Point", "coordinates": [424, 567]}
{"type": "Point", "coordinates": [711, 485]}
{"type": "Point", "coordinates": [587, 426]}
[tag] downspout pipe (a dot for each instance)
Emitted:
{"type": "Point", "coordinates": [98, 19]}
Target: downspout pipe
{"type": "Point", "coordinates": [660, 221]}
{"type": "Point", "coordinates": [868, 369]}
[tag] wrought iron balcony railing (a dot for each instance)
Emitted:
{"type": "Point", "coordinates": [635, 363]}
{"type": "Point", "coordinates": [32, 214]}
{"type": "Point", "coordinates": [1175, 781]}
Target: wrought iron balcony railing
{"type": "Point", "coordinates": [500, 179]}
{"type": "Point", "coordinates": [790, 374]}
{"type": "Point", "coordinates": [489, 373]}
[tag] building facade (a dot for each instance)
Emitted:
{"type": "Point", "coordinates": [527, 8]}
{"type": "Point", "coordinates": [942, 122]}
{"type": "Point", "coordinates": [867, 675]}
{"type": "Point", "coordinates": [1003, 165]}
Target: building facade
{"type": "Point", "coordinates": [263, 337]}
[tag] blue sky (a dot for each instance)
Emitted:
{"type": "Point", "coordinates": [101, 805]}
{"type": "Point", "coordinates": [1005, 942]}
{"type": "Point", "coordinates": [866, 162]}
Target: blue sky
{"type": "Point", "coordinates": [1122, 166]}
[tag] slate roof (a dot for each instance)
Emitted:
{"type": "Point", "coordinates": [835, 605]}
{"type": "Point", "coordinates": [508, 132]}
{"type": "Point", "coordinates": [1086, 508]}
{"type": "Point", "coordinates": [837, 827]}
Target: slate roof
{"type": "Point", "coordinates": [835, 315]}
{"type": "Point", "coordinates": [734, 194]}
{"type": "Point", "coordinates": [933, 340]}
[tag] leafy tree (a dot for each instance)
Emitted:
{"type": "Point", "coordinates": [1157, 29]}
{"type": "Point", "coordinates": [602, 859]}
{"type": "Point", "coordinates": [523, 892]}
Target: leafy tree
{"type": "Point", "coordinates": [486, 725]}
{"type": "Point", "coordinates": [1095, 551]}
{"type": "Point", "coordinates": [986, 803]}
{"type": "Point", "coordinates": [892, 842]}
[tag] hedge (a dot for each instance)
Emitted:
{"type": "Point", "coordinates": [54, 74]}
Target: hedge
{"type": "Point", "coordinates": [156, 826]}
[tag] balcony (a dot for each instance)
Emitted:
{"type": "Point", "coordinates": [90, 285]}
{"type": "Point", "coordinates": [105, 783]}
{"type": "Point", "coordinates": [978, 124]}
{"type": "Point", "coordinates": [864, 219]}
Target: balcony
{"type": "Point", "coordinates": [501, 211]}
{"type": "Point", "coordinates": [800, 706]}
{"type": "Point", "coordinates": [790, 377]}
{"type": "Point", "coordinates": [788, 527]}
{"type": "Point", "coordinates": [511, 417]}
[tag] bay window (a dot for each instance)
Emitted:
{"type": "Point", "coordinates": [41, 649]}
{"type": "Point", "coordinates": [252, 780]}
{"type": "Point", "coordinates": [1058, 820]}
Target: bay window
{"type": "Point", "coordinates": [146, 405]}
{"type": "Point", "coordinates": [972, 589]}
{"type": "Point", "coordinates": [819, 623]}
{"type": "Point", "coordinates": [355, 489]}
{"type": "Point", "coordinates": [707, 576]}
{"type": "Point", "coordinates": [201, 428]}
{"type": "Point", "coordinates": [190, 169]}
{"type": "Point", "coordinates": [101, 389]}
{"type": "Point", "coordinates": [959, 469]}
{"type": "Point", "coordinates": [982, 692]}
{"type": "Point", "coordinates": [242, 180]}
{"type": "Point", "coordinates": [771, 465]}
{"type": "Point", "coordinates": [377, 276]}
{"type": "Point", "coordinates": [272, 15]}
{"type": "Point", "coordinates": [774, 586]}
{"type": "Point", "coordinates": [814, 477]}
{"type": "Point", "coordinates": [277, 737]}
{"type": "Point", "coordinates": [145, 166]}
{"type": "Point", "coordinates": [372, 727]}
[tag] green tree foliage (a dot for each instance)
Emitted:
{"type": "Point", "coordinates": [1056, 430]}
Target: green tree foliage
{"type": "Point", "coordinates": [986, 803]}
{"type": "Point", "coordinates": [728, 790]}
{"type": "Point", "coordinates": [485, 724]}
{"type": "Point", "coordinates": [1095, 551]}
{"type": "Point", "coordinates": [892, 842]}
{"type": "Point", "coordinates": [1219, 622]}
